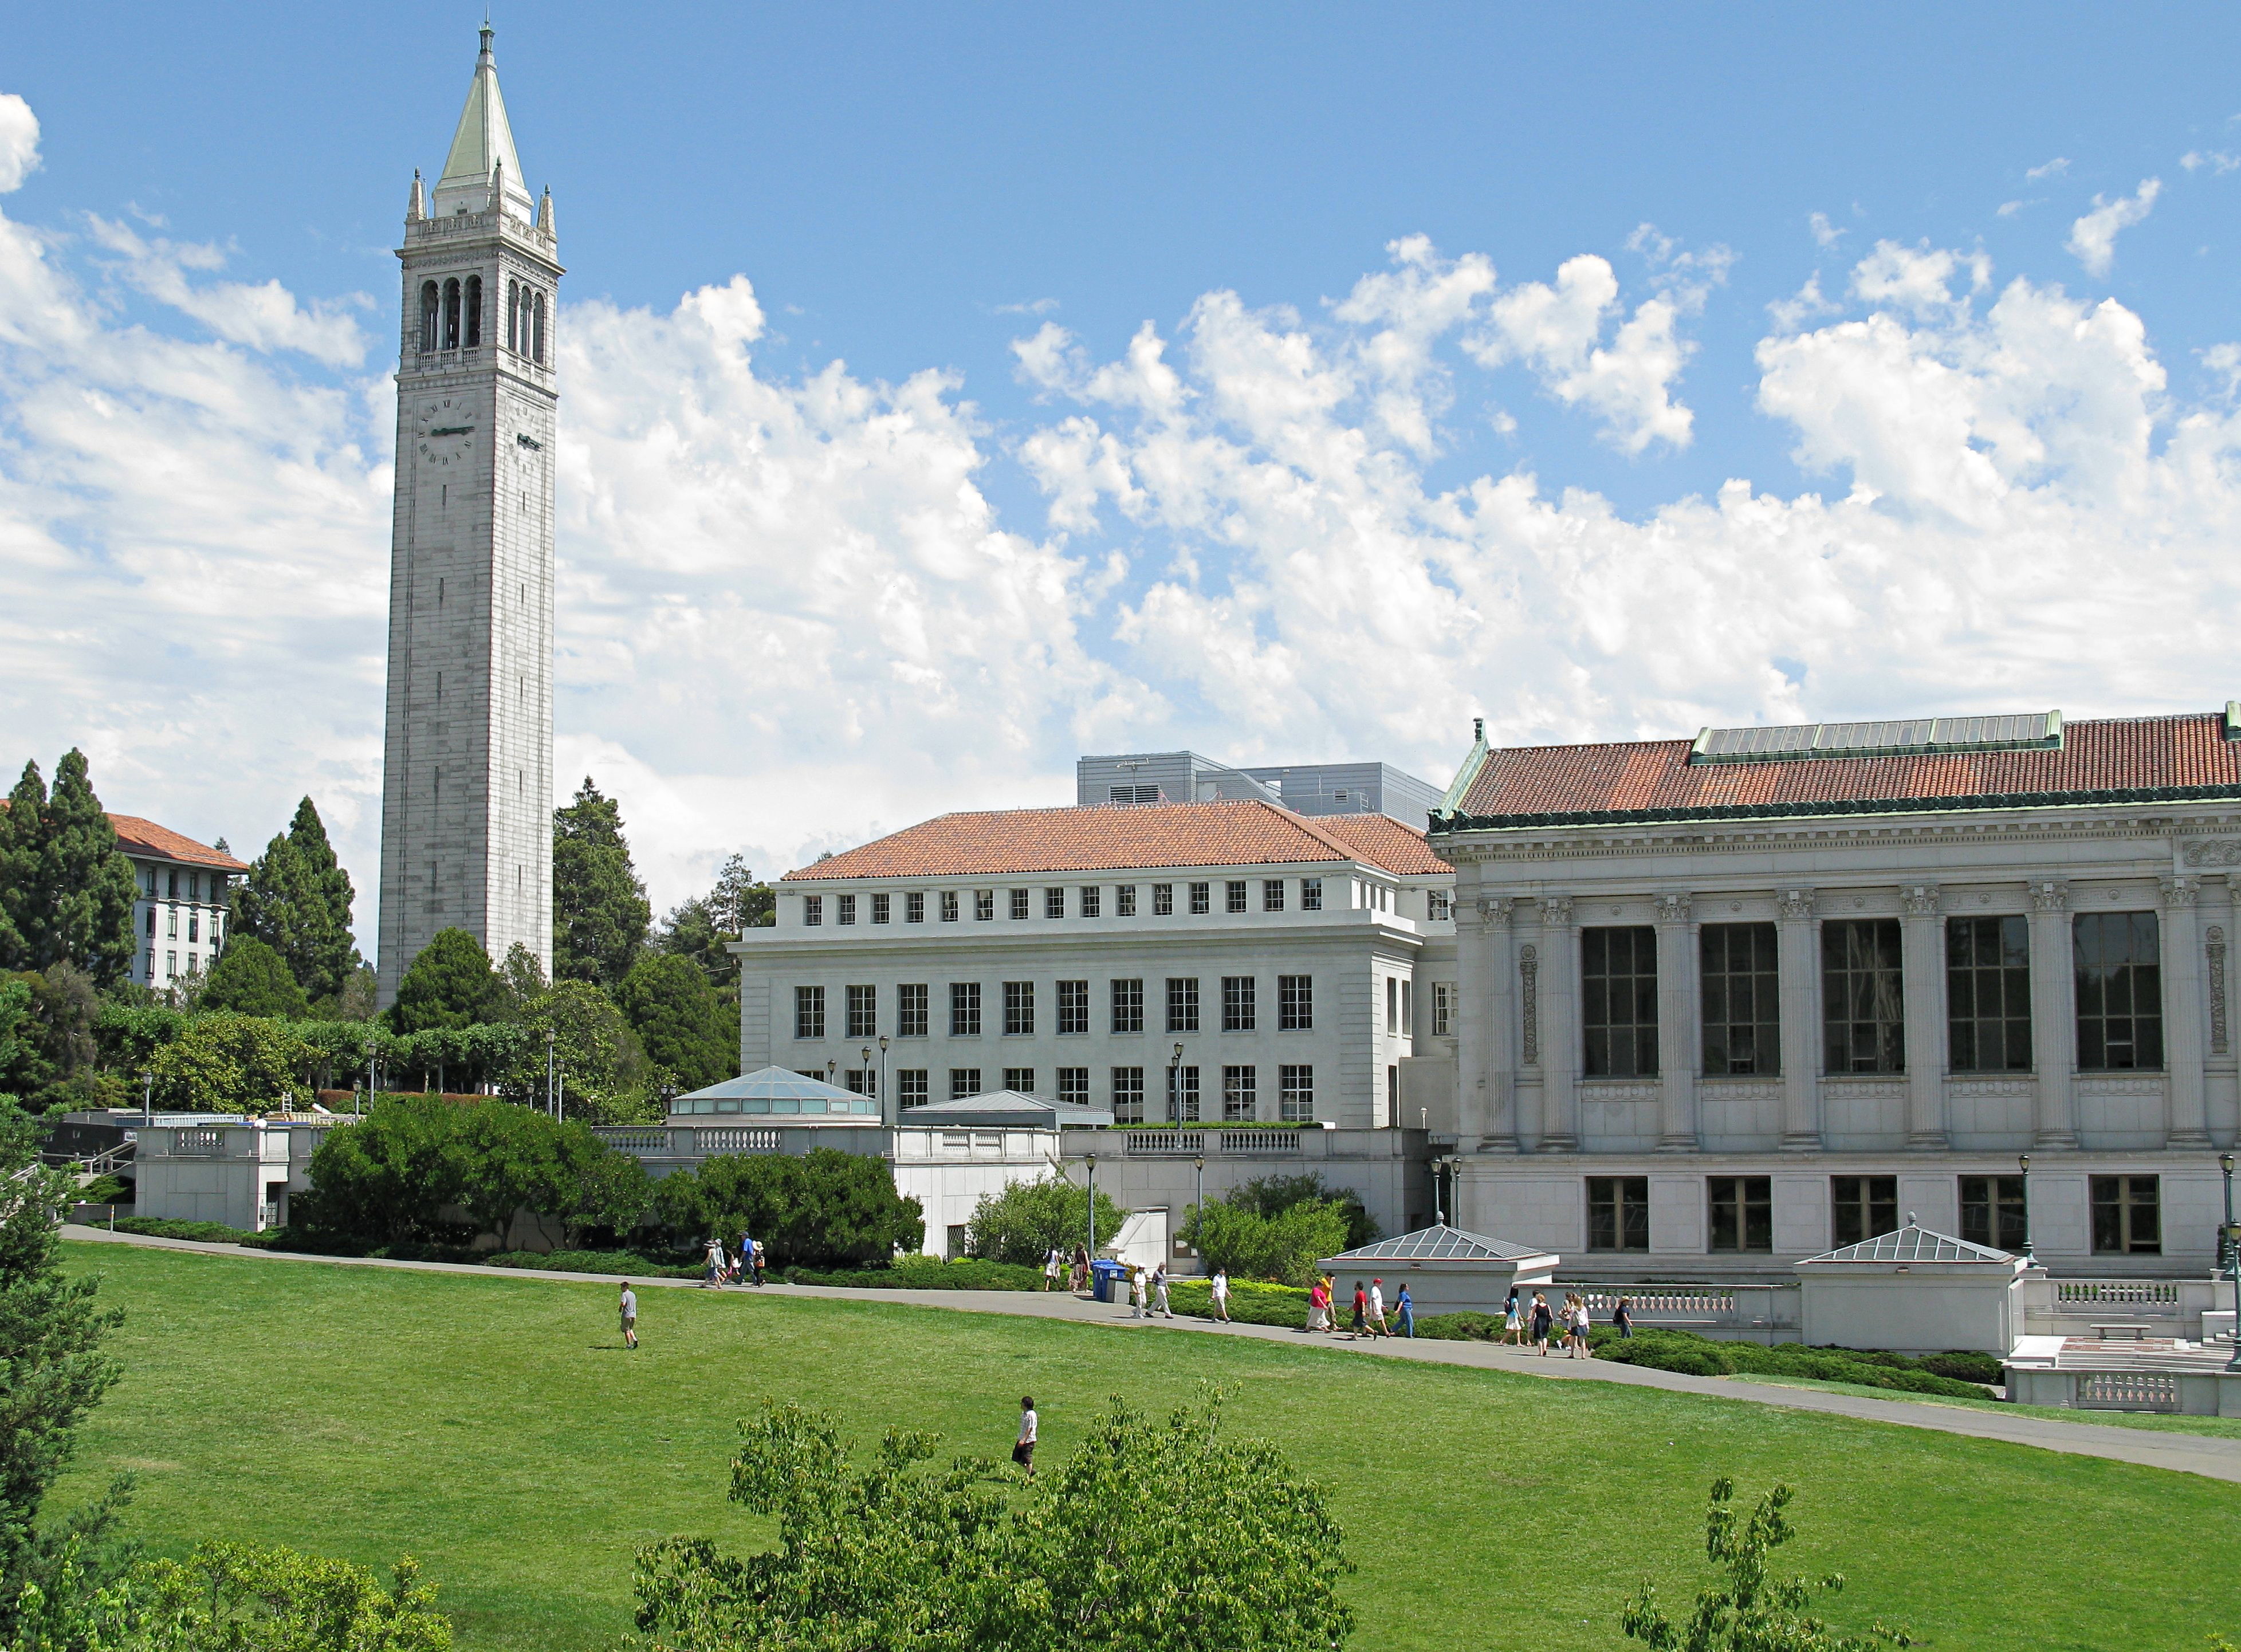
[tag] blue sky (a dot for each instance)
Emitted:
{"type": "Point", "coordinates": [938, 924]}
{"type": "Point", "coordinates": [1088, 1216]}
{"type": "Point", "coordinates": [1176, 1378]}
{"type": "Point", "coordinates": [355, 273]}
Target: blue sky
{"type": "Point", "coordinates": [806, 602]}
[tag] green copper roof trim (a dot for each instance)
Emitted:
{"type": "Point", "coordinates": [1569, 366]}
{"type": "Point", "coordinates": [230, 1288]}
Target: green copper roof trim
{"type": "Point", "coordinates": [1443, 826]}
{"type": "Point", "coordinates": [1459, 788]}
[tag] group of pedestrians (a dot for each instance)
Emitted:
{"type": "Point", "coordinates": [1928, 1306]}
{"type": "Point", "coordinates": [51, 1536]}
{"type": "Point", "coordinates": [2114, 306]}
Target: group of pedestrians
{"type": "Point", "coordinates": [1147, 1292]}
{"type": "Point", "coordinates": [1566, 1325]}
{"type": "Point", "coordinates": [1369, 1316]}
{"type": "Point", "coordinates": [744, 1266]}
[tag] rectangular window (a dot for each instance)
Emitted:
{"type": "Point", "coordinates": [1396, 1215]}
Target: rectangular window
{"type": "Point", "coordinates": [1295, 1003]}
{"type": "Point", "coordinates": [915, 907]}
{"type": "Point", "coordinates": [2127, 1216]}
{"type": "Point", "coordinates": [984, 906]}
{"type": "Point", "coordinates": [1091, 900]}
{"type": "Point", "coordinates": [813, 912]}
{"type": "Point", "coordinates": [1407, 1007]}
{"type": "Point", "coordinates": [1863, 997]}
{"type": "Point", "coordinates": [1392, 1005]}
{"type": "Point", "coordinates": [910, 1010]}
{"type": "Point", "coordinates": [1234, 896]}
{"type": "Point", "coordinates": [1201, 899]}
{"type": "Point", "coordinates": [863, 1012]}
{"type": "Point", "coordinates": [1618, 1213]}
{"type": "Point", "coordinates": [1311, 894]}
{"type": "Point", "coordinates": [1295, 1094]}
{"type": "Point", "coordinates": [1237, 1004]}
{"type": "Point", "coordinates": [852, 1078]}
{"type": "Point", "coordinates": [1127, 1095]}
{"type": "Point", "coordinates": [171, 968]}
{"type": "Point", "coordinates": [1019, 1009]}
{"type": "Point", "coordinates": [965, 1009]}
{"type": "Point", "coordinates": [1163, 899]}
{"type": "Point", "coordinates": [1020, 904]}
{"type": "Point", "coordinates": [949, 906]}
{"type": "Point", "coordinates": [194, 933]}
{"type": "Point", "coordinates": [1124, 900]}
{"type": "Point", "coordinates": [1182, 1003]}
{"type": "Point", "coordinates": [1021, 1080]}
{"type": "Point", "coordinates": [1240, 1102]}
{"type": "Point", "coordinates": [2120, 1000]}
{"type": "Point", "coordinates": [1618, 1001]}
{"type": "Point", "coordinates": [1187, 1095]}
{"type": "Point", "coordinates": [1988, 1025]}
{"type": "Point", "coordinates": [1053, 903]}
{"type": "Point", "coordinates": [964, 1082]}
{"type": "Point", "coordinates": [910, 1087]}
{"type": "Point", "coordinates": [1741, 999]}
{"type": "Point", "coordinates": [1439, 906]}
{"type": "Point", "coordinates": [1443, 1007]}
{"type": "Point", "coordinates": [1073, 1008]}
{"type": "Point", "coordinates": [191, 960]}
{"type": "Point", "coordinates": [1074, 1085]}
{"type": "Point", "coordinates": [1271, 894]}
{"type": "Point", "coordinates": [809, 1012]}
{"type": "Point", "coordinates": [1862, 1208]}
{"type": "Point", "coordinates": [880, 908]}
{"type": "Point", "coordinates": [1993, 1212]}
{"type": "Point", "coordinates": [845, 910]}
{"type": "Point", "coordinates": [1128, 1005]}
{"type": "Point", "coordinates": [1743, 1212]}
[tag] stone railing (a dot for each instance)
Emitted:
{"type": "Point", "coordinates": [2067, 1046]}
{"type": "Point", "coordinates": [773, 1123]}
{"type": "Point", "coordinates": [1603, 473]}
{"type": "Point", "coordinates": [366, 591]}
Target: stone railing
{"type": "Point", "coordinates": [2126, 1391]}
{"type": "Point", "coordinates": [1248, 1143]}
{"type": "Point", "coordinates": [1756, 1312]}
{"type": "Point", "coordinates": [623, 1139]}
{"type": "Point", "coordinates": [2130, 1293]}
{"type": "Point", "coordinates": [736, 1138]}
{"type": "Point", "coordinates": [198, 1144]}
{"type": "Point", "coordinates": [2074, 1306]}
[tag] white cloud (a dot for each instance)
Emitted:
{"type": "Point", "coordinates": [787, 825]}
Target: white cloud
{"type": "Point", "coordinates": [2217, 160]}
{"type": "Point", "coordinates": [264, 316]}
{"type": "Point", "coordinates": [2093, 237]}
{"type": "Point", "coordinates": [2009, 209]}
{"type": "Point", "coordinates": [19, 142]}
{"type": "Point", "coordinates": [1824, 233]}
{"type": "Point", "coordinates": [2053, 168]}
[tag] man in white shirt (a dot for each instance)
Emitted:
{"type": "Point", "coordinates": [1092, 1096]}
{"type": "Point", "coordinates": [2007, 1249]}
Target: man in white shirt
{"type": "Point", "coordinates": [1023, 1451]}
{"type": "Point", "coordinates": [1220, 1292]}
{"type": "Point", "coordinates": [1377, 1309]}
{"type": "Point", "coordinates": [630, 1316]}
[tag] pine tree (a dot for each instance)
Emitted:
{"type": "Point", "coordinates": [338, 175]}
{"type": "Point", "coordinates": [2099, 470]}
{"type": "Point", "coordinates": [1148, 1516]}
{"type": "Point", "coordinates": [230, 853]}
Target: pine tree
{"type": "Point", "coordinates": [86, 888]}
{"type": "Point", "coordinates": [451, 983]}
{"type": "Point", "coordinates": [297, 900]}
{"type": "Point", "coordinates": [599, 910]}
{"type": "Point", "coordinates": [19, 867]}
{"type": "Point", "coordinates": [697, 929]}
{"type": "Point", "coordinates": [251, 979]}
{"type": "Point", "coordinates": [677, 1017]}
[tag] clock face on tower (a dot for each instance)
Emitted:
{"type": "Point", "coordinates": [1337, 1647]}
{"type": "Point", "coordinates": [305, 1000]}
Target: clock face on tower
{"type": "Point", "coordinates": [443, 430]}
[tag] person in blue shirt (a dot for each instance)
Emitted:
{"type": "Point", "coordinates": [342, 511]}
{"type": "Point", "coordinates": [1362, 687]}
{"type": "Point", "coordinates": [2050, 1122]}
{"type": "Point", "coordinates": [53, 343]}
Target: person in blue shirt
{"type": "Point", "coordinates": [747, 1258]}
{"type": "Point", "coordinates": [1407, 1312]}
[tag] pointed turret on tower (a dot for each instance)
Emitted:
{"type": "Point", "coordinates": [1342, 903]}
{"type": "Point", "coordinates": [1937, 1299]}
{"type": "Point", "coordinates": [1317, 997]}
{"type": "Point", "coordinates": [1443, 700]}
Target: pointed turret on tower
{"type": "Point", "coordinates": [483, 142]}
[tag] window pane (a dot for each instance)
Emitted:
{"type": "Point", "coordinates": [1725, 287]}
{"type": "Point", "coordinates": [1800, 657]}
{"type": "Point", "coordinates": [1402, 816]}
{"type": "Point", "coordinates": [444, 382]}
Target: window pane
{"type": "Point", "coordinates": [2119, 987]}
{"type": "Point", "coordinates": [1618, 995]}
{"type": "Point", "coordinates": [1741, 999]}
{"type": "Point", "coordinates": [1863, 1029]}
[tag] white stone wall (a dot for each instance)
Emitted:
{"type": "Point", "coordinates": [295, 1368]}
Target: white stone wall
{"type": "Point", "coordinates": [174, 934]}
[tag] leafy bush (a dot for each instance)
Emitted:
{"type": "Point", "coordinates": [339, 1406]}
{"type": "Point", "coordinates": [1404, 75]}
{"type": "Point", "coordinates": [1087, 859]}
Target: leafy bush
{"type": "Point", "coordinates": [1250, 1303]}
{"type": "Point", "coordinates": [926, 1274]}
{"type": "Point", "coordinates": [1694, 1356]}
{"type": "Point", "coordinates": [207, 1233]}
{"type": "Point", "coordinates": [107, 1190]}
{"type": "Point", "coordinates": [226, 1596]}
{"type": "Point", "coordinates": [1024, 1222]}
{"type": "Point", "coordinates": [627, 1263]}
{"type": "Point", "coordinates": [1283, 1247]}
{"type": "Point", "coordinates": [229, 1064]}
{"type": "Point", "coordinates": [1468, 1326]}
{"type": "Point", "coordinates": [824, 1208]}
{"type": "Point", "coordinates": [1273, 1195]}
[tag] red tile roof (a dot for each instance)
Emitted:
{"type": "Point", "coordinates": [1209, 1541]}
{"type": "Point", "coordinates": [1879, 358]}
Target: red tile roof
{"type": "Point", "coordinates": [1654, 776]}
{"type": "Point", "coordinates": [137, 836]}
{"type": "Point", "coordinates": [1384, 841]}
{"type": "Point", "coordinates": [1118, 838]}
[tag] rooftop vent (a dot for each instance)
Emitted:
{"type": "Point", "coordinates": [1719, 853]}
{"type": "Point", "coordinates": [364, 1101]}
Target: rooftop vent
{"type": "Point", "coordinates": [1900, 737]}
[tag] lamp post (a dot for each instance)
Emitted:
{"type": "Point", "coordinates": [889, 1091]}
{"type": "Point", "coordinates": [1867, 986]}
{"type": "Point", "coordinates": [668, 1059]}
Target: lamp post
{"type": "Point", "coordinates": [1175, 1092]}
{"type": "Point", "coordinates": [1090, 1158]}
{"type": "Point", "coordinates": [867, 1074]}
{"type": "Point", "coordinates": [2232, 1258]}
{"type": "Point", "coordinates": [883, 1083]}
{"type": "Point", "coordinates": [668, 1101]}
{"type": "Point", "coordinates": [2022, 1164]}
{"type": "Point", "coordinates": [552, 1093]}
{"type": "Point", "coordinates": [1439, 1199]}
{"type": "Point", "coordinates": [148, 1095]}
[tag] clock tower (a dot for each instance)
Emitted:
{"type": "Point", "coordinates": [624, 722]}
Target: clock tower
{"type": "Point", "coordinates": [466, 831]}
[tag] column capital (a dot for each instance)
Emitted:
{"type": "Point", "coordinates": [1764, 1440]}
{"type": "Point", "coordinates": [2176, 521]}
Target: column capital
{"type": "Point", "coordinates": [1494, 911]}
{"type": "Point", "coordinates": [1793, 905]}
{"type": "Point", "coordinates": [1918, 899]}
{"type": "Point", "coordinates": [2049, 895]}
{"type": "Point", "coordinates": [1674, 909]}
{"type": "Point", "coordinates": [1557, 910]}
{"type": "Point", "coordinates": [2181, 891]}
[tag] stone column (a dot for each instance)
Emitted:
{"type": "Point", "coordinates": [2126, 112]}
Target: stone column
{"type": "Point", "coordinates": [1498, 1127]}
{"type": "Point", "coordinates": [1798, 943]}
{"type": "Point", "coordinates": [1473, 1008]}
{"type": "Point", "coordinates": [1680, 1013]}
{"type": "Point", "coordinates": [1560, 1027]}
{"type": "Point", "coordinates": [1923, 958]}
{"type": "Point", "coordinates": [2182, 972]}
{"type": "Point", "coordinates": [2053, 1027]}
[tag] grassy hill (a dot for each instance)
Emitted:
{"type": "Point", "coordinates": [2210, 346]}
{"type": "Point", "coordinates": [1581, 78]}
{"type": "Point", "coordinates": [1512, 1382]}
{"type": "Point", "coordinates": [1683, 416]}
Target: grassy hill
{"type": "Point", "coordinates": [496, 1429]}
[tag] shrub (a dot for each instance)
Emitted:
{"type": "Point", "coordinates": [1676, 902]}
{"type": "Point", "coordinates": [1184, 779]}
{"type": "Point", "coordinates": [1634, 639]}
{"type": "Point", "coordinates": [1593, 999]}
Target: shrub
{"type": "Point", "coordinates": [1468, 1326]}
{"type": "Point", "coordinates": [1694, 1356]}
{"type": "Point", "coordinates": [926, 1274]}
{"type": "Point", "coordinates": [825, 1208]}
{"type": "Point", "coordinates": [1273, 1195]}
{"type": "Point", "coordinates": [229, 1064]}
{"type": "Point", "coordinates": [228, 1595]}
{"type": "Point", "coordinates": [207, 1233]}
{"type": "Point", "coordinates": [624, 1262]}
{"type": "Point", "coordinates": [1283, 1247]}
{"type": "Point", "coordinates": [1249, 1303]}
{"type": "Point", "coordinates": [253, 980]}
{"type": "Point", "coordinates": [1024, 1222]}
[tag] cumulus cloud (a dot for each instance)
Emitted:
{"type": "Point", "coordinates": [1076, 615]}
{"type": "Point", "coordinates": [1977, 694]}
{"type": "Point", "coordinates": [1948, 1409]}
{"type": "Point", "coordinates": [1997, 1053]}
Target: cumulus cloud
{"type": "Point", "coordinates": [19, 142]}
{"type": "Point", "coordinates": [2093, 237]}
{"type": "Point", "coordinates": [264, 316]}
{"type": "Point", "coordinates": [1825, 234]}
{"type": "Point", "coordinates": [2217, 160]}
{"type": "Point", "coordinates": [2053, 168]}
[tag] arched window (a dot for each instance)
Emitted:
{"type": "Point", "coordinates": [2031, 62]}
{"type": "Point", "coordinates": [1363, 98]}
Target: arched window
{"type": "Point", "coordinates": [428, 305]}
{"type": "Point", "coordinates": [513, 316]}
{"type": "Point", "coordinates": [537, 345]}
{"type": "Point", "coordinates": [474, 311]}
{"type": "Point", "coordinates": [452, 314]}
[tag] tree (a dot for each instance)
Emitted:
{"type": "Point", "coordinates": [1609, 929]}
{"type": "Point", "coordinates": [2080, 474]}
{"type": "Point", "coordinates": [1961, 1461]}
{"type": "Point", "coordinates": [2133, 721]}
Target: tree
{"type": "Point", "coordinates": [227, 1063]}
{"type": "Point", "coordinates": [228, 1596]}
{"type": "Point", "coordinates": [521, 983]}
{"type": "Point", "coordinates": [55, 1062]}
{"type": "Point", "coordinates": [450, 983]}
{"type": "Point", "coordinates": [1746, 1609]}
{"type": "Point", "coordinates": [1028, 1219]}
{"type": "Point", "coordinates": [823, 1209]}
{"type": "Point", "coordinates": [1273, 1195]}
{"type": "Point", "coordinates": [680, 1020]}
{"type": "Point", "coordinates": [19, 867]}
{"type": "Point", "coordinates": [599, 910]}
{"type": "Point", "coordinates": [386, 1177]}
{"type": "Point", "coordinates": [65, 888]}
{"type": "Point", "coordinates": [697, 929]}
{"type": "Point", "coordinates": [54, 1373]}
{"type": "Point", "coordinates": [297, 900]}
{"type": "Point", "coordinates": [252, 979]}
{"type": "Point", "coordinates": [1150, 1537]}
{"type": "Point", "coordinates": [1284, 1247]}
{"type": "Point", "coordinates": [607, 1077]}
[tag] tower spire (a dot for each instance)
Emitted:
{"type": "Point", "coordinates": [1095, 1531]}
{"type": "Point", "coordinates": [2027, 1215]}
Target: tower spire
{"type": "Point", "coordinates": [483, 139]}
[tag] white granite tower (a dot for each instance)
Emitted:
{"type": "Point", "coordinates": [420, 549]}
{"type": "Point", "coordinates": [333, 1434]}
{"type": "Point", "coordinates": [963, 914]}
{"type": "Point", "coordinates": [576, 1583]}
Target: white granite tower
{"type": "Point", "coordinates": [466, 835]}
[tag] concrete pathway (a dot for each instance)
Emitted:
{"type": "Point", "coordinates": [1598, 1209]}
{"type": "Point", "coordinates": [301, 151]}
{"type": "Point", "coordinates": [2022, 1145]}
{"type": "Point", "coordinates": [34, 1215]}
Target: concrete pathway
{"type": "Point", "coordinates": [2219, 1459]}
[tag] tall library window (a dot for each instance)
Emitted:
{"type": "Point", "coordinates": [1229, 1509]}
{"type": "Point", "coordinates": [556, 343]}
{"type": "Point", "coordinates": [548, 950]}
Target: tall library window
{"type": "Point", "coordinates": [1124, 900]}
{"type": "Point", "coordinates": [1074, 1085]}
{"type": "Point", "coordinates": [1618, 989]}
{"type": "Point", "coordinates": [1742, 1212]}
{"type": "Point", "coordinates": [1618, 1213]}
{"type": "Point", "coordinates": [1201, 899]}
{"type": "Point", "coordinates": [2127, 1216]}
{"type": "Point", "coordinates": [1239, 1097]}
{"type": "Point", "coordinates": [1237, 1003]}
{"type": "Point", "coordinates": [1163, 899]}
{"type": "Point", "coordinates": [1018, 1010]}
{"type": "Point", "coordinates": [1182, 1003]}
{"type": "Point", "coordinates": [1862, 996]}
{"type": "Point", "coordinates": [910, 1010]}
{"type": "Point", "coordinates": [1128, 1005]}
{"type": "Point", "coordinates": [964, 1082]}
{"type": "Point", "coordinates": [1053, 903]}
{"type": "Point", "coordinates": [1295, 1100]}
{"type": "Point", "coordinates": [2120, 1003]}
{"type": "Point", "coordinates": [1741, 997]}
{"type": "Point", "coordinates": [1993, 1212]}
{"type": "Point", "coordinates": [965, 1009]}
{"type": "Point", "coordinates": [1127, 1095]}
{"type": "Point", "coordinates": [1234, 896]}
{"type": "Point", "coordinates": [1186, 1083]}
{"type": "Point", "coordinates": [1988, 995]}
{"type": "Point", "coordinates": [1861, 1208]}
{"type": "Point", "coordinates": [809, 1012]}
{"type": "Point", "coordinates": [1072, 1006]}
{"type": "Point", "coordinates": [1295, 1003]}
{"type": "Point", "coordinates": [863, 1012]}
{"type": "Point", "coordinates": [1311, 894]}
{"type": "Point", "coordinates": [1020, 1080]}
{"type": "Point", "coordinates": [910, 1087]}
{"type": "Point", "coordinates": [1019, 903]}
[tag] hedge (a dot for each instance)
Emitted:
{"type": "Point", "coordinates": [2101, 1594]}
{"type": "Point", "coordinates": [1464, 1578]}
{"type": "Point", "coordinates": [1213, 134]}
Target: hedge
{"type": "Point", "coordinates": [208, 1232]}
{"type": "Point", "coordinates": [625, 1262]}
{"type": "Point", "coordinates": [1250, 1302]}
{"type": "Point", "coordinates": [1693, 1356]}
{"type": "Point", "coordinates": [925, 1274]}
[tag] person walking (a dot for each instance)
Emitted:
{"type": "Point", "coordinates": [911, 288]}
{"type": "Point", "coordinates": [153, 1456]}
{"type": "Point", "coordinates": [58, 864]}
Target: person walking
{"type": "Point", "coordinates": [1080, 1267]}
{"type": "Point", "coordinates": [1513, 1325]}
{"type": "Point", "coordinates": [1579, 1326]}
{"type": "Point", "coordinates": [1542, 1320]}
{"type": "Point", "coordinates": [1407, 1311]}
{"type": "Point", "coordinates": [1218, 1294]}
{"type": "Point", "coordinates": [1318, 1306]}
{"type": "Point", "coordinates": [761, 1255]}
{"type": "Point", "coordinates": [1377, 1309]}
{"type": "Point", "coordinates": [1622, 1317]}
{"type": "Point", "coordinates": [744, 1264]}
{"type": "Point", "coordinates": [1052, 1263]}
{"type": "Point", "coordinates": [712, 1276]}
{"type": "Point", "coordinates": [1023, 1449]}
{"type": "Point", "coordinates": [1140, 1293]}
{"type": "Point", "coordinates": [1360, 1309]}
{"type": "Point", "coordinates": [1160, 1290]}
{"type": "Point", "coordinates": [629, 1306]}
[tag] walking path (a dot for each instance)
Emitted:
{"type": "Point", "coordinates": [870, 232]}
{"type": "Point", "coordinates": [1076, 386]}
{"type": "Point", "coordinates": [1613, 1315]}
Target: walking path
{"type": "Point", "coordinates": [2218, 1458]}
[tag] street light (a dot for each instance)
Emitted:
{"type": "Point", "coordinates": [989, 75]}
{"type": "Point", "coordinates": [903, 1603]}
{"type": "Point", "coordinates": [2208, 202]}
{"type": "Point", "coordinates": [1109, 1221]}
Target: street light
{"type": "Point", "coordinates": [2022, 1164]}
{"type": "Point", "coordinates": [1438, 1200]}
{"type": "Point", "coordinates": [867, 1067]}
{"type": "Point", "coordinates": [1175, 1092]}
{"type": "Point", "coordinates": [2232, 1258]}
{"type": "Point", "coordinates": [148, 1095]}
{"type": "Point", "coordinates": [1090, 1158]}
{"type": "Point", "coordinates": [552, 1094]}
{"type": "Point", "coordinates": [883, 1082]}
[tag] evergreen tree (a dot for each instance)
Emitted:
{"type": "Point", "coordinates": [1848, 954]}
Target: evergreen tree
{"type": "Point", "coordinates": [450, 983]}
{"type": "Point", "coordinates": [680, 1020]}
{"type": "Point", "coordinates": [697, 929]}
{"type": "Point", "coordinates": [599, 910]}
{"type": "Point", "coordinates": [297, 900]}
{"type": "Point", "coordinates": [251, 979]}
{"type": "Point", "coordinates": [19, 867]}
{"type": "Point", "coordinates": [65, 888]}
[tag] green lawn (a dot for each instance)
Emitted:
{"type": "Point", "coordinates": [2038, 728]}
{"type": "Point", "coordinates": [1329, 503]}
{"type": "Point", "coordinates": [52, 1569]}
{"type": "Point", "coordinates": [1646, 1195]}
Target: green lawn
{"type": "Point", "coordinates": [495, 1429]}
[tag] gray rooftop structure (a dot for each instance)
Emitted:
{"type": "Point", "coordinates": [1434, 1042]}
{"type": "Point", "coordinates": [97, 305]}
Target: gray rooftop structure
{"type": "Point", "coordinates": [1005, 1108]}
{"type": "Point", "coordinates": [1442, 1244]}
{"type": "Point", "coordinates": [1304, 788]}
{"type": "Point", "coordinates": [1911, 1243]}
{"type": "Point", "coordinates": [770, 1091]}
